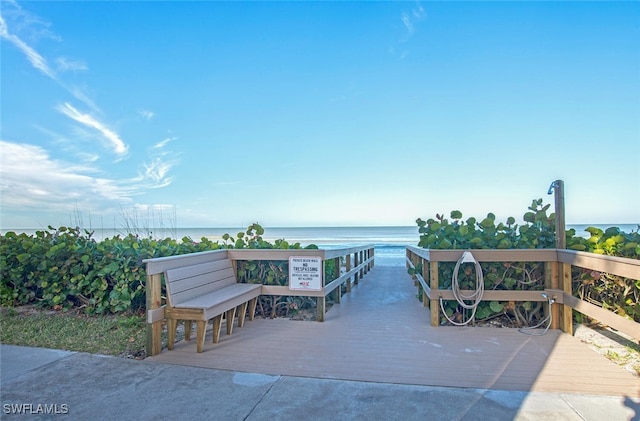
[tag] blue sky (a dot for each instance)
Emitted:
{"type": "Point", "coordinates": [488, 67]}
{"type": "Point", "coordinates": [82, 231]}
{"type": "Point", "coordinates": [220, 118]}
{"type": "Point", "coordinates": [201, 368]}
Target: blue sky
{"type": "Point", "coordinates": [220, 114]}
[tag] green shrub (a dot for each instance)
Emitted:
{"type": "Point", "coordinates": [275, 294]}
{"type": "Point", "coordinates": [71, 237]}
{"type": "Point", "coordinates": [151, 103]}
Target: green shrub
{"type": "Point", "coordinates": [613, 292]}
{"type": "Point", "coordinates": [618, 294]}
{"type": "Point", "coordinates": [65, 267]}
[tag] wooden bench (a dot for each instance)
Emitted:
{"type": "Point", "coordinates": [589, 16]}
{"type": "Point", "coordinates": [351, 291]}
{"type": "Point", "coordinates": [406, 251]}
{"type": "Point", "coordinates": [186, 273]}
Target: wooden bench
{"type": "Point", "coordinates": [203, 292]}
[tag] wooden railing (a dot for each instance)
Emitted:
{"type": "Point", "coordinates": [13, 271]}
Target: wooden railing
{"type": "Point", "coordinates": [557, 284]}
{"type": "Point", "coordinates": [357, 262]}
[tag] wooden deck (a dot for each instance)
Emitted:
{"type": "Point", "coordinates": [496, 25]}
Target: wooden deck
{"type": "Point", "coordinates": [380, 332]}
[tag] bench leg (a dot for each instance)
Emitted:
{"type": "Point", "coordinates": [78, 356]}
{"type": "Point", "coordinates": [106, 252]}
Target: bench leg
{"type": "Point", "coordinates": [231, 314]}
{"type": "Point", "coordinates": [252, 308]}
{"type": "Point", "coordinates": [242, 311]}
{"type": "Point", "coordinates": [201, 327]}
{"type": "Point", "coordinates": [217, 324]}
{"type": "Point", "coordinates": [188, 325]}
{"type": "Point", "coordinates": [172, 325]}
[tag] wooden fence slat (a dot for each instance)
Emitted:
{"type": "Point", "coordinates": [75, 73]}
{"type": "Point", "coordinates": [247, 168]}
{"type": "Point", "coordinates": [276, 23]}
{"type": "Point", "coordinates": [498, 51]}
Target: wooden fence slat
{"type": "Point", "coordinates": [628, 268]}
{"type": "Point", "coordinates": [566, 286]}
{"type": "Point", "coordinates": [348, 269]}
{"type": "Point", "coordinates": [338, 290]}
{"type": "Point", "coordinates": [492, 295]}
{"type": "Point", "coordinates": [155, 315]}
{"type": "Point", "coordinates": [482, 255]}
{"type": "Point", "coordinates": [434, 304]}
{"type": "Point", "coordinates": [604, 316]}
{"type": "Point", "coordinates": [154, 301]}
{"type": "Point", "coordinates": [551, 281]}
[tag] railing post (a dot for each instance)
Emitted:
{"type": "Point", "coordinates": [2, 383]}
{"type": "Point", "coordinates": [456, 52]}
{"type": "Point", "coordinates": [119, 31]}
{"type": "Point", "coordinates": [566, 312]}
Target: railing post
{"type": "Point", "coordinates": [365, 256]}
{"type": "Point", "coordinates": [321, 301]}
{"type": "Point", "coordinates": [348, 267]}
{"type": "Point", "coordinates": [356, 262]}
{"type": "Point", "coordinates": [567, 311]}
{"type": "Point", "coordinates": [338, 291]}
{"type": "Point", "coordinates": [361, 260]}
{"type": "Point", "coordinates": [364, 259]}
{"type": "Point", "coordinates": [425, 276]}
{"type": "Point", "coordinates": [434, 304]}
{"type": "Point", "coordinates": [415, 259]}
{"type": "Point", "coordinates": [551, 280]}
{"type": "Point", "coordinates": [372, 252]}
{"type": "Point", "coordinates": [153, 301]}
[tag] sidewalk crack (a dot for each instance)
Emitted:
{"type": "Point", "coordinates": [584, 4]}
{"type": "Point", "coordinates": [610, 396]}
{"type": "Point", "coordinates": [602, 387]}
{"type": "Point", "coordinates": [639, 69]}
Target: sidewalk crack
{"type": "Point", "coordinates": [262, 398]}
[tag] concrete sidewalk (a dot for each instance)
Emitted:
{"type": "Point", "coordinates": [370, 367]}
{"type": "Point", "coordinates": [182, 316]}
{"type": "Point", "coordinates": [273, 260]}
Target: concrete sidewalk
{"type": "Point", "coordinates": [84, 386]}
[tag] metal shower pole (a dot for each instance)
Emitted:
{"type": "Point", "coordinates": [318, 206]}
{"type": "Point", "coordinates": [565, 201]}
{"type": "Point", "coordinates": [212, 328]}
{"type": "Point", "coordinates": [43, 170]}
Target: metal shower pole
{"type": "Point", "coordinates": [558, 189]}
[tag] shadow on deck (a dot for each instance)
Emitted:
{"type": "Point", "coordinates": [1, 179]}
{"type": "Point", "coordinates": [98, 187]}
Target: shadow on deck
{"type": "Point", "coordinates": [380, 333]}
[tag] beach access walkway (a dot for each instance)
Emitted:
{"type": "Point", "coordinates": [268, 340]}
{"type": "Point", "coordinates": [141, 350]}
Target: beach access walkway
{"type": "Point", "coordinates": [381, 333]}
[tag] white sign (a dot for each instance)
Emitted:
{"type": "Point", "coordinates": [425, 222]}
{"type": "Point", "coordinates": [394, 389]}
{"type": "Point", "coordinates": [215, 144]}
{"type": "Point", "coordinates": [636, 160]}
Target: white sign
{"type": "Point", "coordinates": [305, 273]}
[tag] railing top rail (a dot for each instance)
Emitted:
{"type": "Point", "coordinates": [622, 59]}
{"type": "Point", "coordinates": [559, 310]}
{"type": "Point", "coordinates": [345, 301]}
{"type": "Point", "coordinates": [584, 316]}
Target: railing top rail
{"type": "Point", "coordinates": [284, 254]}
{"type": "Point", "coordinates": [271, 254]}
{"type": "Point", "coordinates": [160, 264]}
{"type": "Point", "coordinates": [567, 256]}
{"type": "Point", "coordinates": [343, 251]}
{"type": "Point", "coordinates": [484, 255]}
{"type": "Point", "coordinates": [621, 266]}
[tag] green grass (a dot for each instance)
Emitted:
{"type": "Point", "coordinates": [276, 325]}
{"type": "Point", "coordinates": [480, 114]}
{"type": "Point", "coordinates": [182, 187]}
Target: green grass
{"type": "Point", "coordinates": [121, 335]}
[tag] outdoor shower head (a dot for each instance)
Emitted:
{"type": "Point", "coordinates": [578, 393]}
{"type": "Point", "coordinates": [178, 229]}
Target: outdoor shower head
{"type": "Point", "coordinates": [551, 187]}
{"type": "Point", "coordinates": [545, 296]}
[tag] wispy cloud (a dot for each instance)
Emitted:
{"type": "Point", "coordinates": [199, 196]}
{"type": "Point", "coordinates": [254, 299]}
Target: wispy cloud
{"type": "Point", "coordinates": [143, 207]}
{"type": "Point", "coordinates": [70, 145]}
{"type": "Point", "coordinates": [64, 64]}
{"type": "Point", "coordinates": [118, 146]}
{"type": "Point", "coordinates": [164, 142]}
{"type": "Point", "coordinates": [156, 171]}
{"type": "Point", "coordinates": [418, 11]}
{"type": "Point", "coordinates": [410, 20]}
{"type": "Point", "coordinates": [147, 115]}
{"type": "Point", "coordinates": [406, 20]}
{"type": "Point", "coordinates": [38, 29]}
{"type": "Point", "coordinates": [80, 95]}
{"type": "Point", "coordinates": [33, 56]}
{"type": "Point", "coordinates": [31, 178]}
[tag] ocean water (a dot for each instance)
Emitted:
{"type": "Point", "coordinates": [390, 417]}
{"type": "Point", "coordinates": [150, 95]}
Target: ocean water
{"type": "Point", "coordinates": [324, 236]}
{"type": "Point", "coordinates": [395, 236]}
{"type": "Point", "coordinates": [389, 242]}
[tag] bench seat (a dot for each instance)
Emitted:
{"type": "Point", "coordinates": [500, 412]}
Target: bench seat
{"type": "Point", "coordinates": [221, 300]}
{"type": "Point", "coordinates": [203, 292]}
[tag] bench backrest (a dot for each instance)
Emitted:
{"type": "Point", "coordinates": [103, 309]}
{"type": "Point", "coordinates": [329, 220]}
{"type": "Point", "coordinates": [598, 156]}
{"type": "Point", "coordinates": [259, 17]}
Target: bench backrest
{"type": "Point", "coordinates": [193, 281]}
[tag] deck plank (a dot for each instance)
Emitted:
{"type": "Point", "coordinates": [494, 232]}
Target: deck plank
{"type": "Point", "coordinates": [381, 333]}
